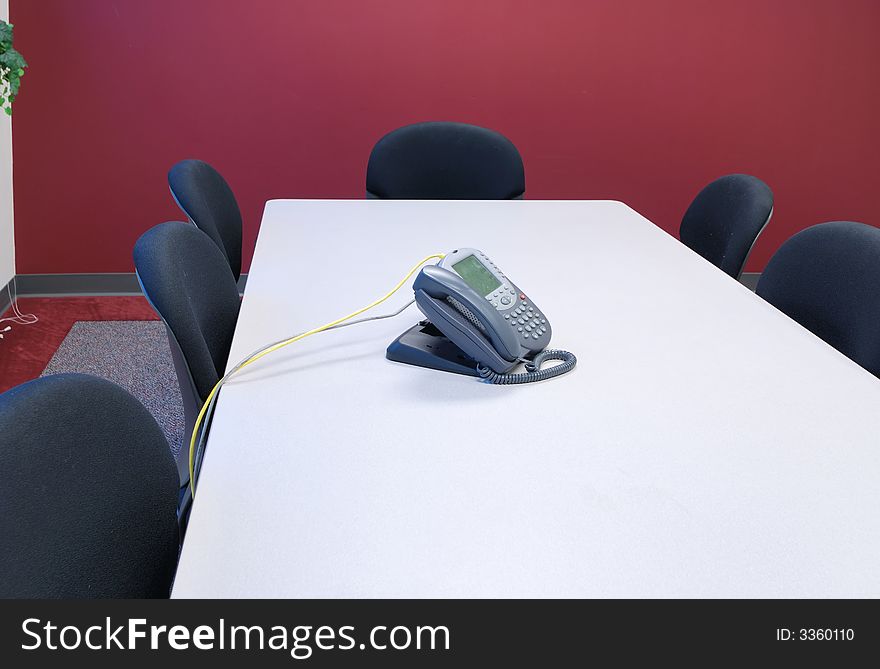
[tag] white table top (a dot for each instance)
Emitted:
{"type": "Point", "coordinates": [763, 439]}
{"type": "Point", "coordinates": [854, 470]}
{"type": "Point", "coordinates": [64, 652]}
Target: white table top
{"type": "Point", "coordinates": [706, 445]}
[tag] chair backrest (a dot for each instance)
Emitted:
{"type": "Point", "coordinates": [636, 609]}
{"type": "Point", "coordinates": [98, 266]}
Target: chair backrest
{"type": "Point", "coordinates": [185, 277]}
{"type": "Point", "coordinates": [726, 218]}
{"type": "Point", "coordinates": [207, 200]}
{"type": "Point", "coordinates": [88, 491]}
{"type": "Point", "coordinates": [827, 278]}
{"type": "Point", "coordinates": [445, 161]}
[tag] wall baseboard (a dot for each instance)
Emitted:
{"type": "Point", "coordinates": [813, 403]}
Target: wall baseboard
{"type": "Point", "coordinates": [124, 283]}
{"type": "Point", "coordinates": [58, 285]}
{"type": "Point", "coordinates": [53, 285]}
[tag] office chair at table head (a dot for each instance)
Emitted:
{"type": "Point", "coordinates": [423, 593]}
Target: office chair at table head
{"type": "Point", "coordinates": [445, 161]}
{"type": "Point", "coordinates": [724, 221]}
{"type": "Point", "coordinates": [208, 201]}
{"type": "Point", "coordinates": [827, 278]}
{"type": "Point", "coordinates": [187, 281]}
{"type": "Point", "coordinates": [88, 493]}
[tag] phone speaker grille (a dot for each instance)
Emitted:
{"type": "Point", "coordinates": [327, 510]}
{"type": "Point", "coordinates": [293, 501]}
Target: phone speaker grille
{"type": "Point", "coordinates": [467, 313]}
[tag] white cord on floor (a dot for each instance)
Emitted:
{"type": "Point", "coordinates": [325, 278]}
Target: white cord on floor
{"type": "Point", "coordinates": [18, 317]}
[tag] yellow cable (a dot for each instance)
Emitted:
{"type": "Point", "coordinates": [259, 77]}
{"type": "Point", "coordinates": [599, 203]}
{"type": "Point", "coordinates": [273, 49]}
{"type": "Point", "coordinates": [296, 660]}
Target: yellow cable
{"type": "Point", "coordinates": [282, 344]}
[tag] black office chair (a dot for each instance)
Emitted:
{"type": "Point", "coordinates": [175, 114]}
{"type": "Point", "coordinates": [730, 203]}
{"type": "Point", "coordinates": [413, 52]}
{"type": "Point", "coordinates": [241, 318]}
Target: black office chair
{"type": "Point", "coordinates": [445, 161]}
{"type": "Point", "coordinates": [88, 491]}
{"type": "Point", "coordinates": [185, 278]}
{"type": "Point", "coordinates": [827, 278]}
{"type": "Point", "coordinates": [205, 197]}
{"type": "Point", "coordinates": [725, 219]}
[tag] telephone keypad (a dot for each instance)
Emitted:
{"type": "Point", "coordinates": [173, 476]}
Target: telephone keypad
{"type": "Point", "coordinates": [522, 316]}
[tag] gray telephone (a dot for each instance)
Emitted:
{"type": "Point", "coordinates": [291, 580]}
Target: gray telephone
{"type": "Point", "coordinates": [479, 323]}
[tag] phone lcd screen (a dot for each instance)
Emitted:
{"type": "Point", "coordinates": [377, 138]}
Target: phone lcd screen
{"type": "Point", "coordinates": [476, 275]}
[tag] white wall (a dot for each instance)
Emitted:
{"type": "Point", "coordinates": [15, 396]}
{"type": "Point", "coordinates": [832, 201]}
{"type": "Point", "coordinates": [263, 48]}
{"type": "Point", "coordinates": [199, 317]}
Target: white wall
{"type": "Point", "coordinates": [7, 249]}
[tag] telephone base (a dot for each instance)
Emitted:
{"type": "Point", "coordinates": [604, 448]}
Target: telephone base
{"type": "Point", "coordinates": [424, 345]}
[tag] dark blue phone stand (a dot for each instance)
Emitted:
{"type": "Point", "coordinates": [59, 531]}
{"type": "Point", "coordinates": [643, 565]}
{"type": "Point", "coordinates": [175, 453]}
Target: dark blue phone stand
{"type": "Point", "coordinates": [424, 345]}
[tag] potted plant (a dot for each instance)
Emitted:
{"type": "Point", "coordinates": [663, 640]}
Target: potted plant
{"type": "Point", "coordinates": [12, 66]}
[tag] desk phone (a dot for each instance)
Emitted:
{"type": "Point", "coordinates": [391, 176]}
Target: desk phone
{"type": "Point", "coordinates": [487, 316]}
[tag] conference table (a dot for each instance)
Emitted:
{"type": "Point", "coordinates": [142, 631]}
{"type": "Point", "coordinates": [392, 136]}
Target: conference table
{"type": "Point", "coordinates": [704, 446]}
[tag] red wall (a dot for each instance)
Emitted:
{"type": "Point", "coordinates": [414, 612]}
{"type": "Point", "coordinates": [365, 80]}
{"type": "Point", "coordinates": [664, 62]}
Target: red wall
{"type": "Point", "coordinates": [639, 100]}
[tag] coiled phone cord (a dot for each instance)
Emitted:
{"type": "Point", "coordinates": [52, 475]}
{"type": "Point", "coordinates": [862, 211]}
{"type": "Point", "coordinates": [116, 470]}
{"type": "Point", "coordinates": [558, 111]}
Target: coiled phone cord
{"type": "Point", "coordinates": [533, 368]}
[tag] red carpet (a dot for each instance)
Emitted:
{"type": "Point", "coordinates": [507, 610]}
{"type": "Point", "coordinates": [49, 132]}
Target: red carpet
{"type": "Point", "coordinates": [26, 349]}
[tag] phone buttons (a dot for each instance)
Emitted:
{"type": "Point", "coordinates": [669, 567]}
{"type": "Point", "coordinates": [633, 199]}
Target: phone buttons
{"type": "Point", "coordinates": [505, 300]}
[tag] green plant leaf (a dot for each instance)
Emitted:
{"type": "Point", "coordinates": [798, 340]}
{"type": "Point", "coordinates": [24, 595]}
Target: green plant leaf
{"type": "Point", "coordinates": [5, 34]}
{"type": "Point", "coordinates": [12, 59]}
{"type": "Point", "coordinates": [12, 65]}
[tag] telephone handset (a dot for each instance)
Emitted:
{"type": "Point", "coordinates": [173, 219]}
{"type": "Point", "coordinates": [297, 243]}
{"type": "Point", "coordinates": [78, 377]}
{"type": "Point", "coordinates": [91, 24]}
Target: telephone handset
{"type": "Point", "coordinates": [471, 301]}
